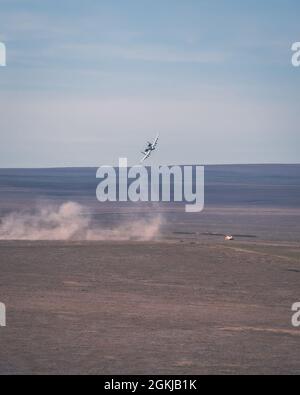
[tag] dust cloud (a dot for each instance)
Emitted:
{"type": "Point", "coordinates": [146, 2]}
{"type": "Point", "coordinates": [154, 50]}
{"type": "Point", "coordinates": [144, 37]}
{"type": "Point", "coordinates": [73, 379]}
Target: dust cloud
{"type": "Point", "coordinates": [71, 221]}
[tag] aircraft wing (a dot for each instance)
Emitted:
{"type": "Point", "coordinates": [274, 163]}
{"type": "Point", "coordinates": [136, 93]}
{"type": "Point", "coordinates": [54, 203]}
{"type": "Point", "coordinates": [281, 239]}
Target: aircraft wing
{"type": "Point", "coordinates": [146, 156]}
{"type": "Point", "coordinates": [156, 141]}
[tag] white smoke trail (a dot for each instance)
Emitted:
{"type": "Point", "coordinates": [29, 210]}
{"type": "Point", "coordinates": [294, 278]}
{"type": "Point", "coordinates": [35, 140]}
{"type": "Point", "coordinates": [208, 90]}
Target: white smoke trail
{"type": "Point", "coordinates": [71, 222]}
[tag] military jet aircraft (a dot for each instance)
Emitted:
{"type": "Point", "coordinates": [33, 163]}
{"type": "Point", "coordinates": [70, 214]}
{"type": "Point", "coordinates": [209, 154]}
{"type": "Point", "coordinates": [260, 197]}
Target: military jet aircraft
{"type": "Point", "coordinates": [149, 149]}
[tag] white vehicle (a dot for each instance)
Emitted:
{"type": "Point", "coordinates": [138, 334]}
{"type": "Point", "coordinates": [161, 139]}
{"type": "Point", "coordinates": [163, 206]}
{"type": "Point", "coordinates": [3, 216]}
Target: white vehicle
{"type": "Point", "coordinates": [149, 149]}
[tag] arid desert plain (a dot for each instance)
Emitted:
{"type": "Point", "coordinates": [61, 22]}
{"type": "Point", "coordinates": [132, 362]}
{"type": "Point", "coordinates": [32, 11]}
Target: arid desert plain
{"type": "Point", "coordinates": [150, 290]}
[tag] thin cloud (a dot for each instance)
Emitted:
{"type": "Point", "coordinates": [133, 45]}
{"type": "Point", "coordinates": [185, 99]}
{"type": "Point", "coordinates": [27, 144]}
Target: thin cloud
{"type": "Point", "coordinates": [160, 54]}
{"type": "Point", "coordinates": [146, 53]}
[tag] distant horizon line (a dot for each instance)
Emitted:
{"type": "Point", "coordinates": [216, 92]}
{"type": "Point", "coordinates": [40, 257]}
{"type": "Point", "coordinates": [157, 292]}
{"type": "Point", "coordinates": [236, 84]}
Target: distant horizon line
{"type": "Point", "coordinates": [205, 165]}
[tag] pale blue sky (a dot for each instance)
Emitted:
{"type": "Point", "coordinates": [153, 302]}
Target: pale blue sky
{"type": "Point", "coordinates": [87, 82]}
